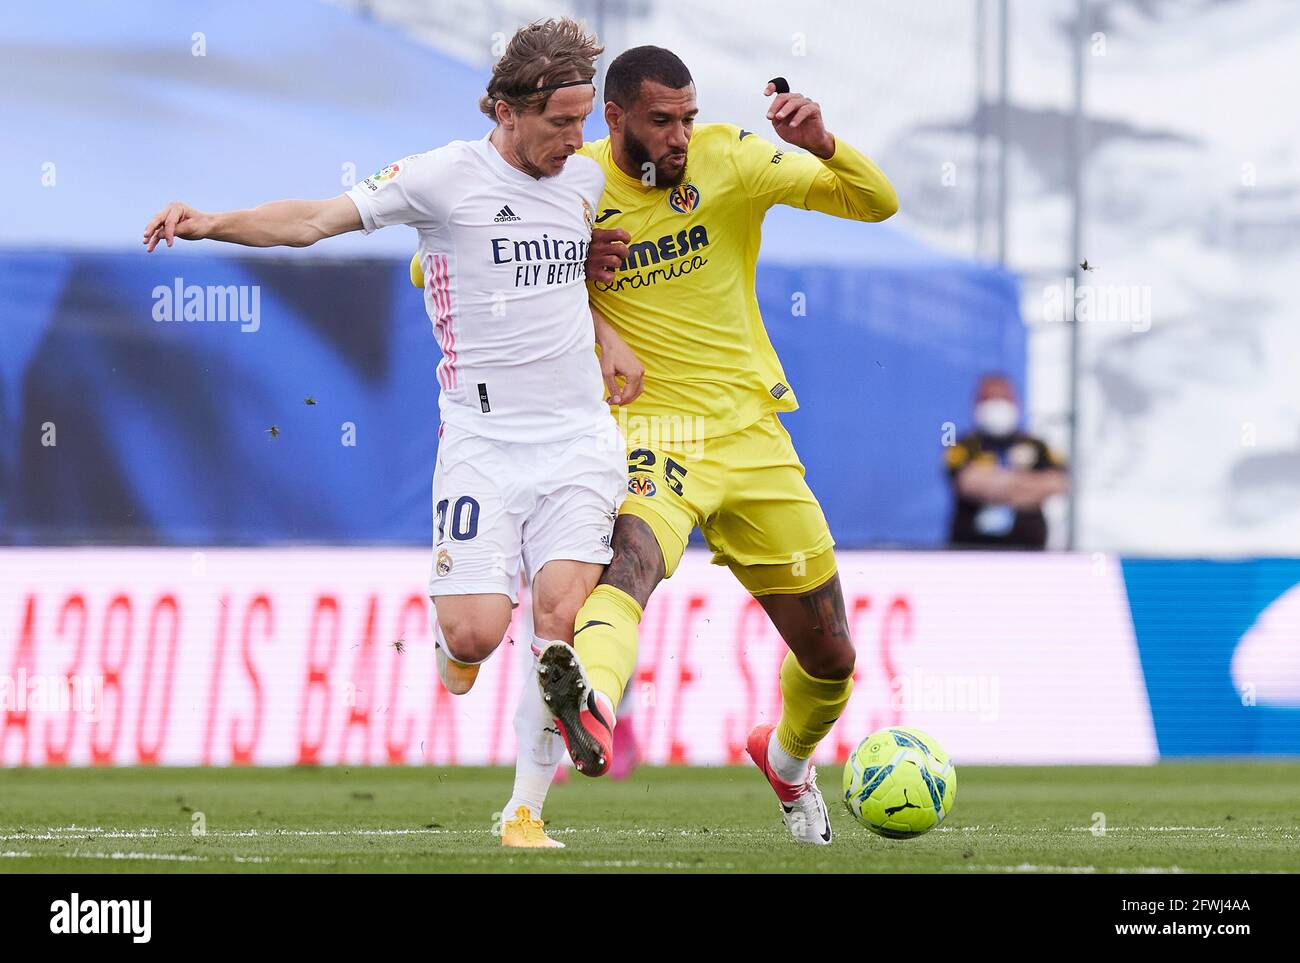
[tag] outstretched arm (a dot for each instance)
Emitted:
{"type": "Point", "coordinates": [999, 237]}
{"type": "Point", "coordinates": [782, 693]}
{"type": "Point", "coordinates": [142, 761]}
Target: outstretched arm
{"type": "Point", "coordinates": [850, 185]}
{"type": "Point", "coordinates": [847, 183]}
{"type": "Point", "coordinates": [279, 223]}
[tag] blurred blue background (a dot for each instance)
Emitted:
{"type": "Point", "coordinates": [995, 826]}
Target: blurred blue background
{"type": "Point", "coordinates": [161, 429]}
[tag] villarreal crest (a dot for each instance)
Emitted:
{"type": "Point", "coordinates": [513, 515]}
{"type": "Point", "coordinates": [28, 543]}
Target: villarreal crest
{"type": "Point", "coordinates": [684, 198]}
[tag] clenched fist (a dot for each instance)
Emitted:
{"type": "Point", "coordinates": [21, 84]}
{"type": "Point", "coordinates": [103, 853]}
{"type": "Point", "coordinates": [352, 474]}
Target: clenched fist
{"type": "Point", "coordinates": [607, 252]}
{"type": "Point", "coordinates": [798, 121]}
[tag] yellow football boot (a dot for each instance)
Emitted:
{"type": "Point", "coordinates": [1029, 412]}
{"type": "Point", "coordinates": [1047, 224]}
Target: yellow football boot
{"type": "Point", "coordinates": [526, 832]}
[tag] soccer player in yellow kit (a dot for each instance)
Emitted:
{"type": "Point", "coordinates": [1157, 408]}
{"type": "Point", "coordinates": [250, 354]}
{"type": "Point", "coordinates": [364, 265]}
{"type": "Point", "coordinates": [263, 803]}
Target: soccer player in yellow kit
{"type": "Point", "coordinates": [705, 446]}
{"type": "Point", "coordinates": [706, 449]}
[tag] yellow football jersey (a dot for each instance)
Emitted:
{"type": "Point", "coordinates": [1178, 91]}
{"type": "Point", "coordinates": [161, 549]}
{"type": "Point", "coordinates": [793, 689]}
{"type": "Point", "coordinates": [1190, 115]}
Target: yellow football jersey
{"type": "Point", "coordinates": [684, 300]}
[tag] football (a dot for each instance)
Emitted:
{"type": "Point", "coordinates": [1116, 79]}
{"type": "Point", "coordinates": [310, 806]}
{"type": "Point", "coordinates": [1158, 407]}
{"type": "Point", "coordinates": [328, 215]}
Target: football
{"type": "Point", "coordinates": [899, 783]}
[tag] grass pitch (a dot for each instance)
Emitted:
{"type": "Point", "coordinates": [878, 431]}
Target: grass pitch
{"type": "Point", "coordinates": [1190, 817]}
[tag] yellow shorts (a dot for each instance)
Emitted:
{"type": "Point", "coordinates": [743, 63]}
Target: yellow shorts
{"type": "Point", "coordinates": [746, 493]}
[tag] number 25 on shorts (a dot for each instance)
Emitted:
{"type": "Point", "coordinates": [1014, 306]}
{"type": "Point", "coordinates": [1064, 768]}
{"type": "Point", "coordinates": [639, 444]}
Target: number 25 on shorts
{"type": "Point", "coordinates": [641, 462]}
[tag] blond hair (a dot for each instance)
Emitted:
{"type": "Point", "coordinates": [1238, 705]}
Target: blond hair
{"type": "Point", "coordinates": [538, 55]}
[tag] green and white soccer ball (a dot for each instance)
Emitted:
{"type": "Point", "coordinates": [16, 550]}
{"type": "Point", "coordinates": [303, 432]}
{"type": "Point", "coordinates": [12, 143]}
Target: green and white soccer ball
{"type": "Point", "coordinates": [899, 783]}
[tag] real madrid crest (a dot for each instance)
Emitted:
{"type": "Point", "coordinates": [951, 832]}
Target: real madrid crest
{"type": "Point", "coordinates": [588, 215]}
{"type": "Point", "coordinates": [443, 564]}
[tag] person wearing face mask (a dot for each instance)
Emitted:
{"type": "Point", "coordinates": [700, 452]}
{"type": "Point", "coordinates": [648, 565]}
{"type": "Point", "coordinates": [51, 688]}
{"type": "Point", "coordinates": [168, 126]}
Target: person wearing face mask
{"type": "Point", "coordinates": [1001, 476]}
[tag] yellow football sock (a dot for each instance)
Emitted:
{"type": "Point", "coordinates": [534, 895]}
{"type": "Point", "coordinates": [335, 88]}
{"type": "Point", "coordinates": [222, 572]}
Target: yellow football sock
{"type": "Point", "coordinates": [605, 637]}
{"type": "Point", "coordinates": [809, 707]}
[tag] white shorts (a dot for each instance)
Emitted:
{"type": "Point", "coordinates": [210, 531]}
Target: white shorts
{"type": "Point", "coordinates": [500, 507]}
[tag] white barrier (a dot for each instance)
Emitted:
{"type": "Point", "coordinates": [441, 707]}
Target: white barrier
{"type": "Point", "coordinates": [324, 655]}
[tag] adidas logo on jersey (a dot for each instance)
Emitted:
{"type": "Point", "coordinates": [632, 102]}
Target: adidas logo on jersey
{"type": "Point", "coordinates": [505, 214]}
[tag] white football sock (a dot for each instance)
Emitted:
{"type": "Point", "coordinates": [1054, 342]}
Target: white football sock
{"type": "Point", "coordinates": [540, 746]}
{"type": "Point", "coordinates": [788, 768]}
{"type": "Point", "coordinates": [606, 705]}
{"type": "Point", "coordinates": [627, 704]}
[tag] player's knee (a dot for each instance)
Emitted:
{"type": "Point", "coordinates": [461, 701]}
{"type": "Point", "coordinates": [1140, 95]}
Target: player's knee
{"type": "Point", "coordinates": [469, 641]}
{"type": "Point", "coordinates": [832, 661]}
{"type": "Point", "coordinates": [843, 664]}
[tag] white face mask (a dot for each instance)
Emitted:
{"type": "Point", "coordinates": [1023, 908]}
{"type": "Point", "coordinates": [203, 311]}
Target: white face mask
{"type": "Point", "coordinates": [997, 417]}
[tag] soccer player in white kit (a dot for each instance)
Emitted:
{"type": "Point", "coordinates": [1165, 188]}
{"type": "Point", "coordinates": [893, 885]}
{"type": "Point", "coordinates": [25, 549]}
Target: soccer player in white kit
{"type": "Point", "coordinates": [531, 466]}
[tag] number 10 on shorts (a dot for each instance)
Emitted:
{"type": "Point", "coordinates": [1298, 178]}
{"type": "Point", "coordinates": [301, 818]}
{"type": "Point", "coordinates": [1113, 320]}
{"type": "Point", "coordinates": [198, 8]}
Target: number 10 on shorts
{"type": "Point", "coordinates": [464, 518]}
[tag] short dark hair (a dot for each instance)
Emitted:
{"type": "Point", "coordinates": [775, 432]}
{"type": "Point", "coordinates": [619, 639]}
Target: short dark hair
{"type": "Point", "coordinates": [630, 68]}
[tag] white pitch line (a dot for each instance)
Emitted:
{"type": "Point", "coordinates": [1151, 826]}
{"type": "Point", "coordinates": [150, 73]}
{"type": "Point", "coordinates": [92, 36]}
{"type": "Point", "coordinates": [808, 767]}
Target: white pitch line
{"type": "Point", "coordinates": [147, 831]}
{"type": "Point", "coordinates": [642, 864]}
{"type": "Point", "coordinates": [238, 859]}
{"type": "Point", "coordinates": [1118, 870]}
{"type": "Point", "coordinates": [74, 828]}
{"type": "Point", "coordinates": [244, 833]}
{"type": "Point", "coordinates": [622, 864]}
{"type": "Point", "coordinates": [1034, 868]}
{"type": "Point", "coordinates": [720, 832]}
{"type": "Point", "coordinates": [77, 854]}
{"type": "Point", "coordinates": [173, 857]}
{"type": "Point", "coordinates": [1155, 829]}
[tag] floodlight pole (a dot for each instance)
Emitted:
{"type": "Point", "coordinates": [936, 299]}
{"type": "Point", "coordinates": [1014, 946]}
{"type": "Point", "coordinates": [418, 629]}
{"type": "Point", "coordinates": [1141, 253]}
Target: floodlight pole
{"type": "Point", "coordinates": [1003, 124]}
{"type": "Point", "coordinates": [980, 120]}
{"type": "Point", "coordinates": [1075, 155]}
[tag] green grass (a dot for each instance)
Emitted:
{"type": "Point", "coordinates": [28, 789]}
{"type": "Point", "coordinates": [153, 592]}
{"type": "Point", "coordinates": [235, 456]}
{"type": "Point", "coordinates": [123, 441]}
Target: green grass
{"type": "Point", "coordinates": [1193, 817]}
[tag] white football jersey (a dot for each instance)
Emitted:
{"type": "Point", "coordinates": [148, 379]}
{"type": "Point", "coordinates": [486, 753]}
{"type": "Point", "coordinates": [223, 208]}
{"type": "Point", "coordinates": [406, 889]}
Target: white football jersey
{"type": "Point", "coordinates": [504, 284]}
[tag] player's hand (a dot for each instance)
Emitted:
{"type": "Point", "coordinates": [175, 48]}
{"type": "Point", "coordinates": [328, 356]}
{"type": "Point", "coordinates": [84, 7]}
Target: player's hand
{"type": "Point", "coordinates": [618, 360]}
{"type": "Point", "coordinates": [176, 220]}
{"type": "Point", "coordinates": [798, 121]}
{"type": "Point", "coordinates": [607, 252]}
